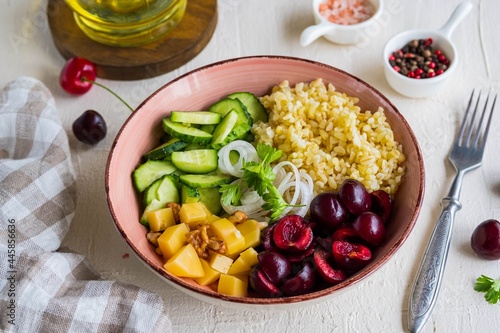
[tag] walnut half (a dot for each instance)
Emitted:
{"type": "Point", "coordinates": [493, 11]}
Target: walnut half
{"type": "Point", "coordinates": [202, 243]}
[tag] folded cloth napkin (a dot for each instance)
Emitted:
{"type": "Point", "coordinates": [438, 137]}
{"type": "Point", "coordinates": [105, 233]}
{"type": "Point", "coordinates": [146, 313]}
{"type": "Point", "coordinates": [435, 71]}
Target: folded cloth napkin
{"type": "Point", "coordinates": [42, 290]}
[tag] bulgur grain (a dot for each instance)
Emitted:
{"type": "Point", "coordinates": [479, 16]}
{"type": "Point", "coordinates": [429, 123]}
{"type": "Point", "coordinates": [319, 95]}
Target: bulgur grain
{"type": "Point", "coordinates": [325, 134]}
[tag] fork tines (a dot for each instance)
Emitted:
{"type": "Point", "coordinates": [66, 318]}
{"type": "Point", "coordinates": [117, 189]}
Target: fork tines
{"type": "Point", "coordinates": [471, 134]}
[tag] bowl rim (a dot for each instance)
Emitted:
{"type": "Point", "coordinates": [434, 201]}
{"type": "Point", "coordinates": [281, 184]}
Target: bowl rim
{"type": "Point", "coordinates": [252, 301]}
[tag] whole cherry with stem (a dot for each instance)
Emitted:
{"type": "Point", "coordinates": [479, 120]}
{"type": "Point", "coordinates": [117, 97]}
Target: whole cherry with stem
{"type": "Point", "coordinates": [77, 77]}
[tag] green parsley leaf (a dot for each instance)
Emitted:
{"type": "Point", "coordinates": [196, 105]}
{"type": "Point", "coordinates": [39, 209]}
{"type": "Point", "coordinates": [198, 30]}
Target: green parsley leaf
{"type": "Point", "coordinates": [231, 193]}
{"type": "Point", "coordinates": [489, 286]}
{"type": "Point", "coordinates": [267, 153]}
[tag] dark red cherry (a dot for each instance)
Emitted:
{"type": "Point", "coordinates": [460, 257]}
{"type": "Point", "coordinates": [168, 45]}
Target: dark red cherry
{"type": "Point", "coordinates": [275, 266]}
{"type": "Point", "coordinates": [261, 284]}
{"type": "Point", "coordinates": [266, 238]}
{"type": "Point", "coordinates": [485, 240]}
{"type": "Point", "coordinates": [327, 210]}
{"type": "Point", "coordinates": [381, 204]}
{"type": "Point", "coordinates": [370, 227]}
{"type": "Point", "coordinates": [90, 127]}
{"type": "Point", "coordinates": [345, 233]}
{"type": "Point", "coordinates": [355, 197]}
{"type": "Point", "coordinates": [302, 283]}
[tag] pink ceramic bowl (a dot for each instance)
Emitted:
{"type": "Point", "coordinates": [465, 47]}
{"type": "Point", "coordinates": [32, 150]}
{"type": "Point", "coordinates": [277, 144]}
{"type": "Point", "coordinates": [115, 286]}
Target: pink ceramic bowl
{"type": "Point", "coordinates": [198, 90]}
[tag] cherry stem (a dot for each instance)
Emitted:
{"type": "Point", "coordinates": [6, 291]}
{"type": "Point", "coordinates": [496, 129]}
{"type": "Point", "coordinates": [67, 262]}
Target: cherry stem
{"type": "Point", "coordinates": [111, 91]}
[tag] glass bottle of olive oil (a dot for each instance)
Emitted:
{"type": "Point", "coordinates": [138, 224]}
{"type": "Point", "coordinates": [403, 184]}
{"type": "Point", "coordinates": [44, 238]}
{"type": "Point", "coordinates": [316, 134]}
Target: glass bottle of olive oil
{"type": "Point", "coordinates": [127, 22]}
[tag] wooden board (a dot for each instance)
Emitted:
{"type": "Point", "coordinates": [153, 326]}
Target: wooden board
{"type": "Point", "coordinates": [186, 41]}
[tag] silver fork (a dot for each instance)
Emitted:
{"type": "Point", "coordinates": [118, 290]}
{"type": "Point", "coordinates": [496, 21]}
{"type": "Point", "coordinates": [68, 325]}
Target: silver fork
{"type": "Point", "coordinates": [466, 154]}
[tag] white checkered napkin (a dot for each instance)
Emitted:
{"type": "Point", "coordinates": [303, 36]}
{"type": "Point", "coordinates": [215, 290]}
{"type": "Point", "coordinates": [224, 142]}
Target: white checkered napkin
{"type": "Point", "coordinates": [42, 290]}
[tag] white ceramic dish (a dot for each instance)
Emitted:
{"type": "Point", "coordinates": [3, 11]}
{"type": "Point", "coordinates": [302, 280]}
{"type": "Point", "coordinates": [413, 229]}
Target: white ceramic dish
{"type": "Point", "coordinates": [418, 88]}
{"type": "Point", "coordinates": [338, 33]}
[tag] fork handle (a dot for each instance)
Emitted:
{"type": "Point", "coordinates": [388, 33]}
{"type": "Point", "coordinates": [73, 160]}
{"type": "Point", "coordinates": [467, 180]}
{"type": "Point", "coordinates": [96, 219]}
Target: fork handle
{"type": "Point", "coordinates": [430, 272]}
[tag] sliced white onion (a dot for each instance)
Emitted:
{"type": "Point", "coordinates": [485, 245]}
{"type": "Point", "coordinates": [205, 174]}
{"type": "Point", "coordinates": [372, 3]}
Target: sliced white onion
{"type": "Point", "coordinates": [293, 182]}
{"type": "Point", "coordinates": [287, 182]}
{"type": "Point", "coordinates": [301, 184]}
{"type": "Point", "coordinates": [251, 205]}
{"type": "Point", "coordinates": [305, 200]}
{"type": "Point", "coordinates": [246, 152]}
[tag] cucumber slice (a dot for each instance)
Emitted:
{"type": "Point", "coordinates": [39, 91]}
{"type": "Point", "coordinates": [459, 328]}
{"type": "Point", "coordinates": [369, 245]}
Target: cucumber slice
{"type": "Point", "coordinates": [236, 133]}
{"type": "Point", "coordinates": [208, 128]}
{"type": "Point", "coordinates": [165, 138]}
{"type": "Point", "coordinates": [210, 196]}
{"type": "Point", "coordinates": [165, 149]}
{"type": "Point", "coordinates": [252, 103]}
{"type": "Point", "coordinates": [154, 205]}
{"type": "Point", "coordinates": [227, 104]}
{"type": "Point", "coordinates": [189, 194]}
{"type": "Point", "coordinates": [150, 192]}
{"type": "Point", "coordinates": [193, 146]}
{"type": "Point", "coordinates": [225, 127]}
{"type": "Point", "coordinates": [205, 181]}
{"type": "Point", "coordinates": [185, 133]}
{"type": "Point", "coordinates": [196, 161]}
{"type": "Point", "coordinates": [195, 117]}
{"type": "Point", "coordinates": [144, 175]}
{"type": "Point", "coordinates": [164, 190]}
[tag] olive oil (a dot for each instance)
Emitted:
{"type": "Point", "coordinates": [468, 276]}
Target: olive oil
{"type": "Point", "coordinates": [127, 23]}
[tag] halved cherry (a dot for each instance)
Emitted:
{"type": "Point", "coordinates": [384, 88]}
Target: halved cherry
{"type": "Point", "coordinates": [292, 233]}
{"type": "Point", "coordinates": [381, 204]}
{"type": "Point", "coordinates": [275, 266]}
{"type": "Point", "coordinates": [324, 267]}
{"type": "Point", "coordinates": [302, 283]}
{"type": "Point", "coordinates": [261, 284]}
{"type": "Point", "coordinates": [351, 256]}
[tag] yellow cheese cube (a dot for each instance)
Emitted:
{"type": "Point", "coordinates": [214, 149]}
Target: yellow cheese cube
{"type": "Point", "coordinates": [211, 275]}
{"type": "Point", "coordinates": [172, 239]}
{"type": "Point", "coordinates": [250, 256]}
{"type": "Point", "coordinates": [219, 262]}
{"type": "Point", "coordinates": [193, 213]}
{"type": "Point", "coordinates": [185, 263]}
{"type": "Point", "coordinates": [226, 231]}
{"type": "Point", "coordinates": [233, 285]}
{"type": "Point", "coordinates": [207, 211]}
{"type": "Point", "coordinates": [239, 266]}
{"type": "Point", "coordinates": [212, 218]}
{"type": "Point", "coordinates": [244, 263]}
{"type": "Point", "coordinates": [160, 219]}
{"type": "Point", "coordinates": [251, 232]}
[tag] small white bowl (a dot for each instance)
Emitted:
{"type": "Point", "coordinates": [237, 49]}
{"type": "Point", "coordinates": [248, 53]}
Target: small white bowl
{"type": "Point", "coordinates": [418, 88]}
{"type": "Point", "coordinates": [338, 33]}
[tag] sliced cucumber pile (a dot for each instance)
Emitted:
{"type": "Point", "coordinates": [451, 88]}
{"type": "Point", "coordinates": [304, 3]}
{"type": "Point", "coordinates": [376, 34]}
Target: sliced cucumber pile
{"type": "Point", "coordinates": [184, 166]}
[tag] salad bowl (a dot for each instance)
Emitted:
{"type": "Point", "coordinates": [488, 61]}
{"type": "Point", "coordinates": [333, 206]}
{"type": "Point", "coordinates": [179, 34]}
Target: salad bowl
{"type": "Point", "coordinates": [202, 87]}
